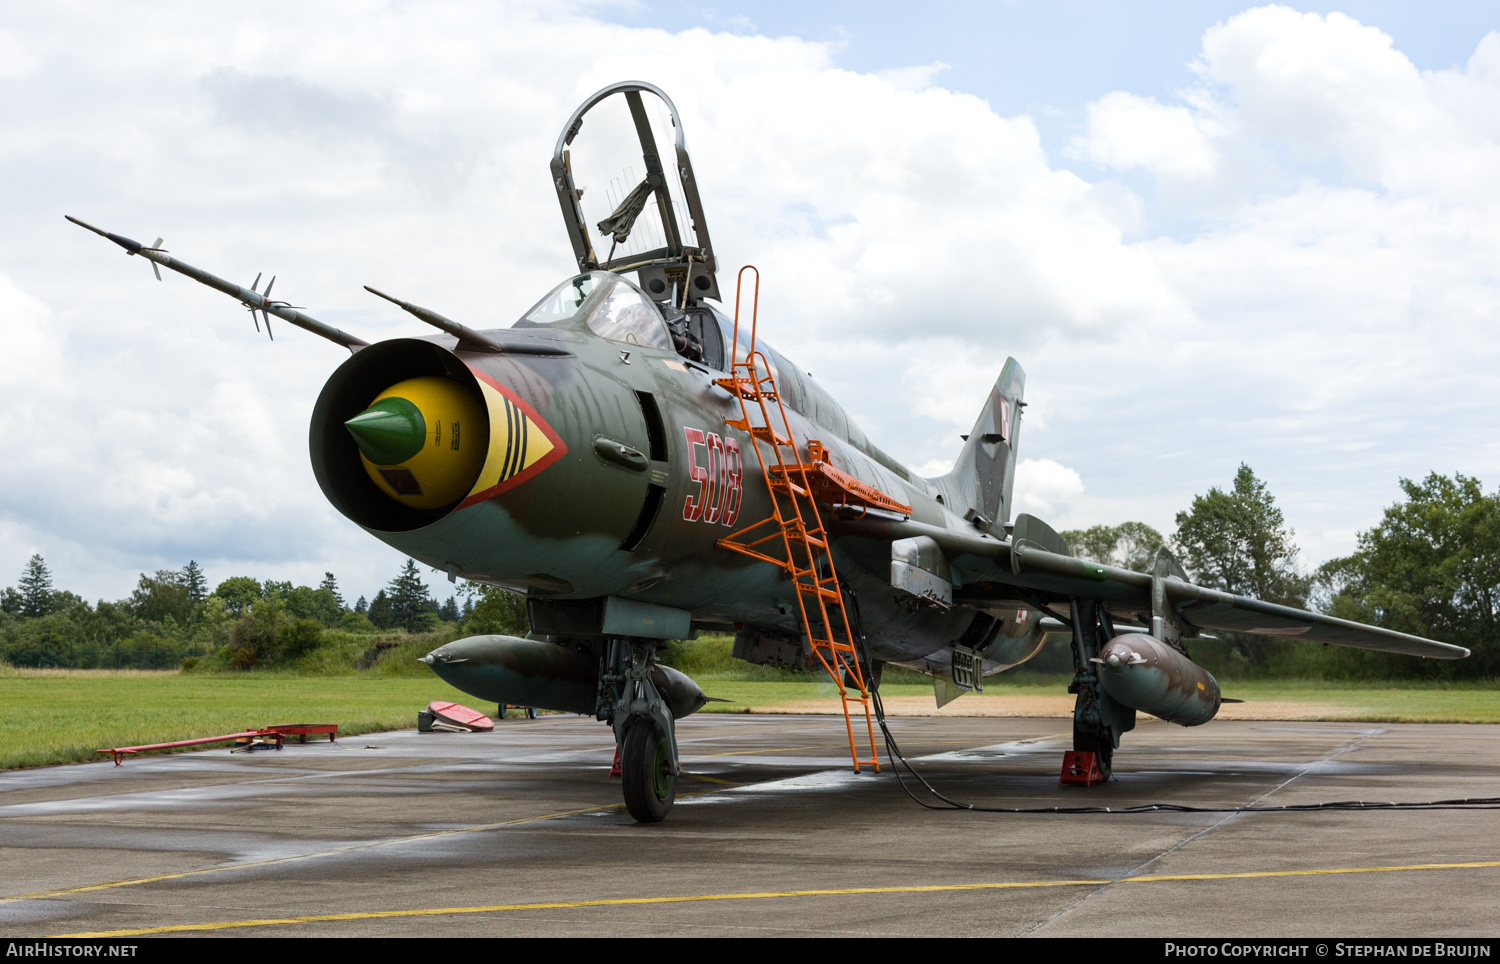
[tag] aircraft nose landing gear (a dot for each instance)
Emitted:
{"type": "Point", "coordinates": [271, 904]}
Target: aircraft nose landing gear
{"type": "Point", "coordinates": [646, 772]}
{"type": "Point", "coordinates": [644, 730]}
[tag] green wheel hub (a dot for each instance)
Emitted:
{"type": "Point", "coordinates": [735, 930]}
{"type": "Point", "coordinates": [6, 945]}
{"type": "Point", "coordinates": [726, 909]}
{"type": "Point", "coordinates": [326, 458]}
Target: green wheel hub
{"type": "Point", "coordinates": [646, 772]}
{"type": "Point", "coordinates": [662, 780]}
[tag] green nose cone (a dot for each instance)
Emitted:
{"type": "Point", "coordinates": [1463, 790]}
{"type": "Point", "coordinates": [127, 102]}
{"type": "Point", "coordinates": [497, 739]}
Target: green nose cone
{"type": "Point", "coordinates": [390, 431]}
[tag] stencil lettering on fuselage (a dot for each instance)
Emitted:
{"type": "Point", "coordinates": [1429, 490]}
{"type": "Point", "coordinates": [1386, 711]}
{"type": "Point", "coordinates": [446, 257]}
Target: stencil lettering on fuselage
{"type": "Point", "coordinates": [719, 473]}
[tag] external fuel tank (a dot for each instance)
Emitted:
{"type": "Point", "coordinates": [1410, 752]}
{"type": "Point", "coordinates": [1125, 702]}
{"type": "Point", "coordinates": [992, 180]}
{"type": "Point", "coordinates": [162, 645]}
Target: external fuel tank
{"type": "Point", "coordinates": [1145, 673]}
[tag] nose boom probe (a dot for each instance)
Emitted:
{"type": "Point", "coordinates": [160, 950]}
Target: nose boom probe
{"type": "Point", "coordinates": [249, 297]}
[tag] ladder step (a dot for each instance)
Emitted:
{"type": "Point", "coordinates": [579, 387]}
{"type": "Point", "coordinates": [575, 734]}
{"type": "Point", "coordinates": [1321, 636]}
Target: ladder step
{"type": "Point", "coordinates": [795, 527]}
{"type": "Point", "coordinates": [746, 388]}
{"type": "Point", "coordinates": [768, 434]}
{"type": "Point", "coordinates": [793, 487]}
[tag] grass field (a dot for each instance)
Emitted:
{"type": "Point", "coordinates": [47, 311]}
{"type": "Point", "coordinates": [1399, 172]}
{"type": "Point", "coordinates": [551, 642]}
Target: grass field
{"type": "Point", "coordinates": [64, 716]}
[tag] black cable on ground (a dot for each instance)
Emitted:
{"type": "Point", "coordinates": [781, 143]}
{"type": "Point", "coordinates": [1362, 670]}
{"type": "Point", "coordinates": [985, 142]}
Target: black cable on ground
{"type": "Point", "coordinates": [894, 755]}
{"type": "Point", "coordinates": [893, 751]}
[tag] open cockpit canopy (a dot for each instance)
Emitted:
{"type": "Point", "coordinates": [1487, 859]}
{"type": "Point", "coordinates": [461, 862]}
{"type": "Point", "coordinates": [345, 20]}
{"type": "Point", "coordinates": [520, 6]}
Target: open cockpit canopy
{"type": "Point", "coordinates": [628, 195]}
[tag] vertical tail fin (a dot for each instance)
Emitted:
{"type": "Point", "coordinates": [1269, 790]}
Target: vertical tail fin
{"type": "Point", "coordinates": [978, 487]}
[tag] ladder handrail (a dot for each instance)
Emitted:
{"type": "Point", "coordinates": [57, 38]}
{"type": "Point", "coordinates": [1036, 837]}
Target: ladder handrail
{"type": "Point", "coordinates": [794, 518]}
{"type": "Point", "coordinates": [734, 347]}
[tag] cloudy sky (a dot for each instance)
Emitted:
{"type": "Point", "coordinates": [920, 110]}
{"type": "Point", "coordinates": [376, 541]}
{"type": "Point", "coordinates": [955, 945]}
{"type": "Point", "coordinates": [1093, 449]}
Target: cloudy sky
{"type": "Point", "coordinates": [1211, 233]}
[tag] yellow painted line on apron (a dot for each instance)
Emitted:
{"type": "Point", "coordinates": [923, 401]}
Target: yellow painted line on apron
{"type": "Point", "coordinates": [563, 904]}
{"type": "Point", "coordinates": [774, 749]}
{"type": "Point", "coordinates": [134, 881]}
{"type": "Point", "coordinates": [761, 895]}
{"type": "Point", "coordinates": [706, 779]}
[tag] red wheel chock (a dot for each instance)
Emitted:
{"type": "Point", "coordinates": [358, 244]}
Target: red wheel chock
{"type": "Point", "coordinates": [1080, 768]}
{"type": "Point", "coordinates": [614, 771]}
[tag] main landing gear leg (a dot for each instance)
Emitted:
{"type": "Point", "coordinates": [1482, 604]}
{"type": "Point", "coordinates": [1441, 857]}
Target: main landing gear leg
{"type": "Point", "coordinates": [644, 731]}
{"type": "Point", "coordinates": [1098, 721]}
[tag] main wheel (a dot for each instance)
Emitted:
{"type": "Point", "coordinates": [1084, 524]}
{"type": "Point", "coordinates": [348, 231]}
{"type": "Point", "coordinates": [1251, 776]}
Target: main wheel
{"type": "Point", "coordinates": [646, 773]}
{"type": "Point", "coordinates": [1102, 747]}
{"type": "Point", "coordinates": [531, 712]}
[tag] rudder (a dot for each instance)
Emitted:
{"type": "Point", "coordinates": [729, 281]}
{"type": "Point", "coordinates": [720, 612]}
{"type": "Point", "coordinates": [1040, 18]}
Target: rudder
{"type": "Point", "coordinates": [979, 485]}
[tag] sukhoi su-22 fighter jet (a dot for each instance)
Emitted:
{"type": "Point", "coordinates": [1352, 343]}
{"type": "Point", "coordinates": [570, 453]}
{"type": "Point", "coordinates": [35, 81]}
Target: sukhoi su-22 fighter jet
{"type": "Point", "coordinates": [639, 464]}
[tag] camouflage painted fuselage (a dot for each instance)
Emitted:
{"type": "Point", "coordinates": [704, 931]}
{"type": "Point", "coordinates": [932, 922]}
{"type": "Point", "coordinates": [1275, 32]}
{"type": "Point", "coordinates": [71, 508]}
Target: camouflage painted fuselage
{"type": "Point", "coordinates": [595, 522]}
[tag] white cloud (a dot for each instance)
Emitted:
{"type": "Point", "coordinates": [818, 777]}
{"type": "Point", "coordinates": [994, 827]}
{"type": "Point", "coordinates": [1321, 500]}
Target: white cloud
{"type": "Point", "coordinates": [1126, 131]}
{"type": "Point", "coordinates": [913, 78]}
{"type": "Point", "coordinates": [14, 60]}
{"type": "Point", "coordinates": [1326, 315]}
{"type": "Point", "coordinates": [1330, 87]}
{"type": "Point", "coordinates": [1046, 489]}
{"type": "Point", "coordinates": [1339, 264]}
{"type": "Point", "coordinates": [933, 468]}
{"type": "Point", "coordinates": [1314, 88]}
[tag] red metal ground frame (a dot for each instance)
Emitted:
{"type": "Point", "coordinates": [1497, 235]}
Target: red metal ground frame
{"type": "Point", "coordinates": [304, 730]}
{"type": "Point", "coordinates": [277, 732]}
{"type": "Point", "coordinates": [120, 752]}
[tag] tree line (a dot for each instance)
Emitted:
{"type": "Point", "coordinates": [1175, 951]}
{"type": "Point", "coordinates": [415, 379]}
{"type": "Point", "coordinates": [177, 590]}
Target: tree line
{"type": "Point", "coordinates": [1430, 567]}
{"type": "Point", "coordinates": [243, 622]}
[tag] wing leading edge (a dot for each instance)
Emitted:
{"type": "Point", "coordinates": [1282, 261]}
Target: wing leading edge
{"type": "Point", "coordinates": [997, 572]}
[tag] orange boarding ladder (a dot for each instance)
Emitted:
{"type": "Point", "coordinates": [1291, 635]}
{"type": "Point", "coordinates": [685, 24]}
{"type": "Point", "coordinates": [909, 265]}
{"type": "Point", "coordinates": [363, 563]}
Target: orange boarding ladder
{"type": "Point", "coordinates": [792, 537]}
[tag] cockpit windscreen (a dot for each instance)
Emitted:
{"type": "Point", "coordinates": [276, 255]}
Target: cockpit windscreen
{"type": "Point", "coordinates": [615, 309]}
{"type": "Point", "coordinates": [564, 301]}
{"type": "Point", "coordinates": [628, 316]}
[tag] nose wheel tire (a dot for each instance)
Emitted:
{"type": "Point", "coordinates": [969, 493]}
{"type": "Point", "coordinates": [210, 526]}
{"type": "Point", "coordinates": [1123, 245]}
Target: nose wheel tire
{"type": "Point", "coordinates": [646, 773]}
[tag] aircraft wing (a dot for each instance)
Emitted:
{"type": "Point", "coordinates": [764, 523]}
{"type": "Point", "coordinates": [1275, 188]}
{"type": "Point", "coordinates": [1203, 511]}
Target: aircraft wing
{"type": "Point", "coordinates": [990, 571]}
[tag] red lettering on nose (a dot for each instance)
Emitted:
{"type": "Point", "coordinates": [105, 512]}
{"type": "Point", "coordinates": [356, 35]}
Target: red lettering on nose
{"type": "Point", "coordinates": [716, 479]}
{"type": "Point", "coordinates": [692, 509]}
{"type": "Point", "coordinates": [733, 490]}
